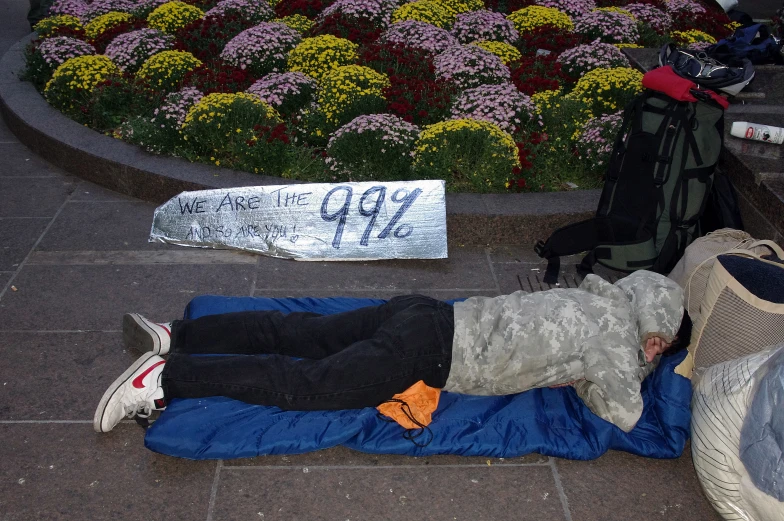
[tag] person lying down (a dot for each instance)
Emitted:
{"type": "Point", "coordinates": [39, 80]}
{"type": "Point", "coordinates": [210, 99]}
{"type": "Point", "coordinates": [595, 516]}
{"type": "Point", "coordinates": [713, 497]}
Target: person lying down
{"type": "Point", "coordinates": [602, 338]}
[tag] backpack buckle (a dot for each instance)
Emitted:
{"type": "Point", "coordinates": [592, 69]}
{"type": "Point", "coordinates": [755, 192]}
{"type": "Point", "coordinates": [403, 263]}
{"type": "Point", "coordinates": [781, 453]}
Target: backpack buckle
{"type": "Point", "coordinates": [539, 248]}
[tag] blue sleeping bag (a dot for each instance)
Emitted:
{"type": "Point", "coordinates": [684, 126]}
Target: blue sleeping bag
{"type": "Point", "coordinates": [552, 422]}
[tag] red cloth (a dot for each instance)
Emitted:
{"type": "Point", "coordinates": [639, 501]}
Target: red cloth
{"type": "Point", "coordinates": [664, 80]}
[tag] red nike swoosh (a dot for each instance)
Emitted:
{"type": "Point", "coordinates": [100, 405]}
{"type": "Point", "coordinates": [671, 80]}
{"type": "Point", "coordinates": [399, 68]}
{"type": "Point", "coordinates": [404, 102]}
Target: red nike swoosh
{"type": "Point", "coordinates": [137, 382]}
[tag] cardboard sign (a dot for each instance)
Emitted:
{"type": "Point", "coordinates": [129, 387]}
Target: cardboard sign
{"type": "Point", "coordinates": [346, 221]}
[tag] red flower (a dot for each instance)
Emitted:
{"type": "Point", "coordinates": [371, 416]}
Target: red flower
{"type": "Point", "coordinates": [309, 8]}
{"type": "Point", "coordinates": [218, 76]}
{"type": "Point", "coordinates": [104, 39]}
{"type": "Point", "coordinates": [357, 30]}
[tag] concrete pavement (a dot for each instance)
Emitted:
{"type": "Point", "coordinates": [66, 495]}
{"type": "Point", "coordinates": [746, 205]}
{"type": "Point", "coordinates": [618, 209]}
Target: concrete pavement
{"type": "Point", "coordinates": [74, 257]}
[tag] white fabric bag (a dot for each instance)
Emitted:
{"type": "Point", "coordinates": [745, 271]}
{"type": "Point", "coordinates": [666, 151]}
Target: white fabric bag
{"type": "Point", "coordinates": [721, 401]}
{"type": "Point", "coordinates": [693, 269]}
{"type": "Point", "coordinates": [742, 311]}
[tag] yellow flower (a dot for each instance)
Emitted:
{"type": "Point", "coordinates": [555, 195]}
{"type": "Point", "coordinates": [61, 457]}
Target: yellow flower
{"type": "Point", "coordinates": [48, 26]}
{"type": "Point", "coordinates": [461, 6]}
{"type": "Point", "coordinates": [318, 55]}
{"type": "Point", "coordinates": [616, 10]}
{"type": "Point", "coordinates": [428, 11]}
{"type": "Point", "coordinates": [620, 83]}
{"type": "Point", "coordinates": [214, 107]}
{"type": "Point", "coordinates": [535, 16]}
{"type": "Point", "coordinates": [691, 36]}
{"type": "Point", "coordinates": [298, 22]}
{"type": "Point", "coordinates": [168, 67]}
{"type": "Point", "coordinates": [545, 99]}
{"type": "Point", "coordinates": [347, 85]}
{"type": "Point", "coordinates": [171, 16]}
{"type": "Point", "coordinates": [503, 50]}
{"type": "Point", "coordinates": [97, 26]}
{"type": "Point", "coordinates": [87, 71]}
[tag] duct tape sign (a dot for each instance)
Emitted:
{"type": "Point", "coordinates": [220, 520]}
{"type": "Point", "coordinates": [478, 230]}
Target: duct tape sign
{"type": "Point", "coordinates": [347, 221]}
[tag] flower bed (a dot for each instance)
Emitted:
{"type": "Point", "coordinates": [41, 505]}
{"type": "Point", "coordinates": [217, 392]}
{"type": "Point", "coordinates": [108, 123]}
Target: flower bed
{"type": "Point", "coordinates": [493, 96]}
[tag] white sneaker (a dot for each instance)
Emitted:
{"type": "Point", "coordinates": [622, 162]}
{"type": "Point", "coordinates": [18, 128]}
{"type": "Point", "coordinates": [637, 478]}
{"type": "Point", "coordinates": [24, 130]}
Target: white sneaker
{"type": "Point", "coordinates": [145, 335]}
{"type": "Point", "coordinates": [135, 392]}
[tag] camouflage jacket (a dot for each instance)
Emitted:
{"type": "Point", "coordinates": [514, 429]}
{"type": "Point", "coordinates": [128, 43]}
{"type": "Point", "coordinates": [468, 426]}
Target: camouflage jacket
{"type": "Point", "coordinates": [512, 343]}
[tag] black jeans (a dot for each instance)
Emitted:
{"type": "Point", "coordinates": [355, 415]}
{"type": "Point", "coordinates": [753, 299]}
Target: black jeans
{"type": "Point", "coordinates": [349, 360]}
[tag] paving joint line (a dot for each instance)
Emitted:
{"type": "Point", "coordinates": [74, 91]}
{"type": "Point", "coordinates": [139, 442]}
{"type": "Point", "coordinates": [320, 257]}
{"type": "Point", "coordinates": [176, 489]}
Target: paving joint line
{"type": "Point", "coordinates": [32, 249]}
{"type": "Point", "coordinates": [46, 331]}
{"type": "Point", "coordinates": [54, 175]}
{"type": "Point", "coordinates": [39, 422]}
{"type": "Point", "coordinates": [214, 490]}
{"type": "Point", "coordinates": [255, 277]}
{"type": "Point", "coordinates": [561, 492]}
{"type": "Point", "coordinates": [492, 271]}
{"type": "Point", "coordinates": [372, 290]}
{"type": "Point", "coordinates": [25, 217]}
{"type": "Point", "coordinates": [382, 467]}
{"type": "Point", "coordinates": [96, 201]}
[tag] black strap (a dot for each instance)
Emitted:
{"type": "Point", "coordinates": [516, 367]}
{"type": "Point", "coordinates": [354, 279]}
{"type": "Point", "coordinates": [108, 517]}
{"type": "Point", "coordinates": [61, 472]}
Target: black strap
{"type": "Point", "coordinates": [586, 266]}
{"type": "Point", "coordinates": [689, 137]}
{"type": "Point", "coordinates": [568, 240]}
{"type": "Point", "coordinates": [669, 248]}
{"type": "Point", "coordinates": [410, 434]}
{"type": "Point", "coordinates": [668, 129]}
{"type": "Point", "coordinates": [618, 151]}
{"type": "Point", "coordinates": [552, 271]}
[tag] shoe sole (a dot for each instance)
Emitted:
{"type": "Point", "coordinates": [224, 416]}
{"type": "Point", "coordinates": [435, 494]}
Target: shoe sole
{"type": "Point", "coordinates": [101, 410]}
{"type": "Point", "coordinates": [138, 335]}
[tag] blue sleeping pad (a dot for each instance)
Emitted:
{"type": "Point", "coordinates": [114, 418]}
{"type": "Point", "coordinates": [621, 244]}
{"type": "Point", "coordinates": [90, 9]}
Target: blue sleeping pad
{"type": "Point", "coordinates": [553, 422]}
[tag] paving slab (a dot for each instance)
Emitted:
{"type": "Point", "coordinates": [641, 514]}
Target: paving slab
{"type": "Point", "coordinates": [101, 226]}
{"type": "Point", "coordinates": [620, 487]}
{"type": "Point", "coordinates": [17, 238]}
{"type": "Point", "coordinates": [5, 276]}
{"type": "Point", "coordinates": [86, 191]}
{"type": "Point", "coordinates": [390, 493]}
{"type": "Point", "coordinates": [18, 161]}
{"type": "Point", "coordinates": [13, 22]}
{"type": "Point", "coordinates": [6, 136]}
{"type": "Point", "coordinates": [466, 268]}
{"type": "Point", "coordinates": [34, 197]}
{"type": "Point", "coordinates": [58, 376]}
{"type": "Point", "coordinates": [94, 297]}
{"type": "Point", "coordinates": [342, 456]}
{"type": "Point", "coordinates": [68, 472]}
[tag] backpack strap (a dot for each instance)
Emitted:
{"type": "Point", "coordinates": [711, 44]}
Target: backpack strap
{"type": "Point", "coordinates": [618, 151]}
{"type": "Point", "coordinates": [677, 238]}
{"type": "Point", "coordinates": [569, 240]}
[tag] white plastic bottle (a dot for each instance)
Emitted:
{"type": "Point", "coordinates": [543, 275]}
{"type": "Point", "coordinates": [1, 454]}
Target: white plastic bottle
{"type": "Point", "coordinates": [758, 132]}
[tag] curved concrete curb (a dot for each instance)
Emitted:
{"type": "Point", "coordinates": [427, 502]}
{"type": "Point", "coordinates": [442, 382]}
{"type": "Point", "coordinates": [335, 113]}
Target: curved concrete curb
{"type": "Point", "coordinates": [125, 168]}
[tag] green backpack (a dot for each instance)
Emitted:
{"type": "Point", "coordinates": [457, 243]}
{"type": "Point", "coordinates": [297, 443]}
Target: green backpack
{"type": "Point", "coordinates": [658, 182]}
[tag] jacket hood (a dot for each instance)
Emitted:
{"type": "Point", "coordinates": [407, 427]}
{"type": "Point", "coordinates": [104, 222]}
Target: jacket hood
{"type": "Point", "coordinates": [657, 302]}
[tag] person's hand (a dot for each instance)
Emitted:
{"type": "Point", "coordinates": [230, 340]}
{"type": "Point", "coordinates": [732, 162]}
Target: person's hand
{"type": "Point", "coordinates": [655, 346]}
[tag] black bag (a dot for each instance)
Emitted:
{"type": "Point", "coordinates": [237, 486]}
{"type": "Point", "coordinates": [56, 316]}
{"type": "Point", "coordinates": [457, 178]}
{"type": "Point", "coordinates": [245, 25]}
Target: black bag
{"type": "Point", "coordinates": [722, 210]}
{"type": "Point", "coordinates": [658, 181]}
{"type": "Point", "coordinates": [754, 43]}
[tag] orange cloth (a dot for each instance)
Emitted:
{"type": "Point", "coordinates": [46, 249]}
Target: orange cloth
{"type": "Point", "coordinates": [422, 401]}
